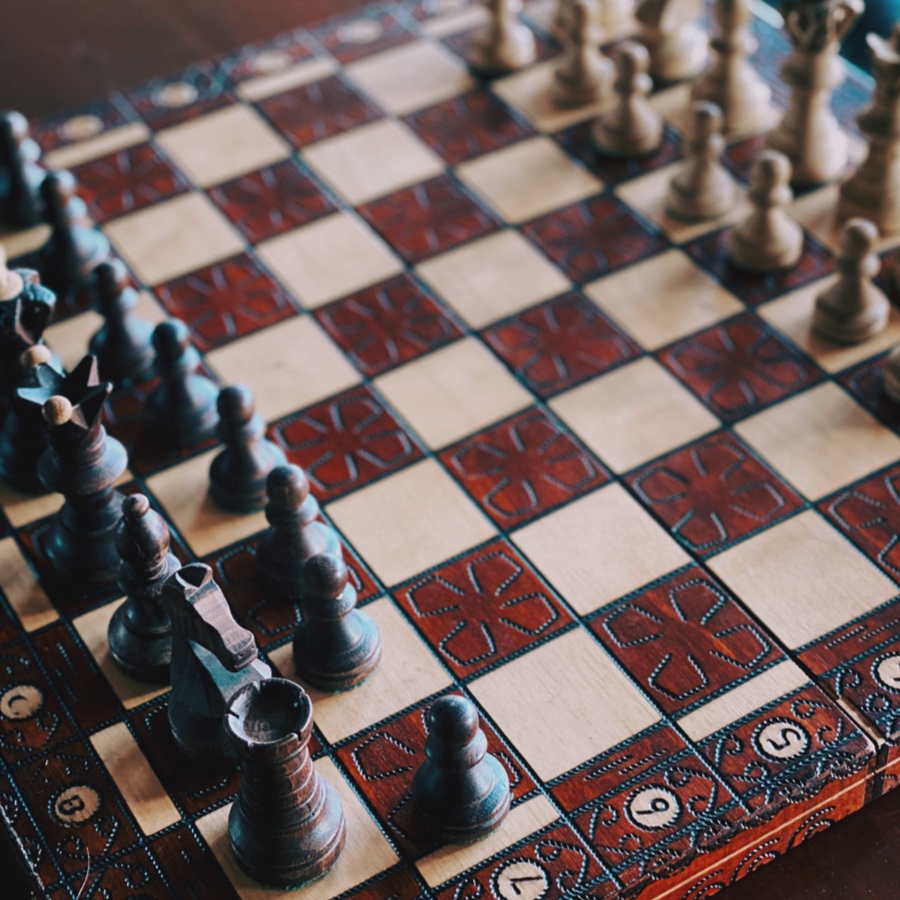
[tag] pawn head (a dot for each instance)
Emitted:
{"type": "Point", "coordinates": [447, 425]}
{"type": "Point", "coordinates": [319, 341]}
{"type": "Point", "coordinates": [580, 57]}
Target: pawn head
{"type": "Point", "coordinates": [110, 278]}
{"type": "Point", "coordinates": [171, 338]}
{"type": "Point", "coordinates": [858, 237]}
{"type": "Point", "coordinates": [287, 487]}
{"type": "Point", "coordinates": [135, 506]}
{"type": "Point", "coordinates": [453, 720]}
{"type": "Point", "coordinates": [236, 404]}
{"type": "Point", "coordinates": [706, 119]}
{"type": "Point", "coordinates": [142, 537]}
{"type": "Point", "coordinates": [57, 189]}
{"type": "Point", "coordinates": [325, 575]}
{"type": "Point", "coordinates": [57, 410]}
{"type": "Point", "coordinates": [771, 170]}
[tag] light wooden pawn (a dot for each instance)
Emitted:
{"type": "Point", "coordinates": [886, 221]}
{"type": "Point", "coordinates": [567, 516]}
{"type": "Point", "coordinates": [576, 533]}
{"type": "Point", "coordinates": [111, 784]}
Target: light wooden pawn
{"type": "Point", "coordinates": [505, 44]}
{"type": "Point", "coordinates": [768, 239]}
{"type": "Point", "coordinates": [585, 75]}
{"type": "Point", "coordinates": [633, 128]}
{"type": "Point", "coordinates": [562, 20]}
{"type": "Point", "coordinates": [891, 375]}
{"type": "Point", "coordinates": [853, 309]}
{"type": "Point", "coordinates": [671, 33]}
{"type": "Point", "coordinates": [702, 189]}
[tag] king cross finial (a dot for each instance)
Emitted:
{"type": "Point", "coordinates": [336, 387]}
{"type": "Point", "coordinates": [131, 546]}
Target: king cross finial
{"type": "Point", "coordinates": [74, 400]}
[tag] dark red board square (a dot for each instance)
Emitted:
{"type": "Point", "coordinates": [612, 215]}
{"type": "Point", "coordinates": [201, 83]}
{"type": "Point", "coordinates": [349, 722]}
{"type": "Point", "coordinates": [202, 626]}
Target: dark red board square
{"type": "Point", "coordinates": [579, 143]}
{"type": "Point", "coordinates": [554, 346]}
{"type": "Point", "coordinates": [713, 492]}
{"type": "Point", "coordinates": [468, 126]}
{"type": "Point", "coordinates": [400, 884]}
{"type": "Point", "coordinates": [135, 875]}
{"type": "Point", "coordinates": [869, 515]}
{"type": "Point", "coordinates": [865, 382]}
{"type": "Point", "coordinates": [363, 33]}
{"type": "Point", "coordinates": [383, 760]}
{"type": "Point", "coordinates": [483, 607]}
{"type": "Point", "coordinates": [461, 42]}
{"type": "Point", "coordinates": [319, 110]}
{"type": "Point", "coordinates": [271, 201]}
{"type": "Point", "coordinates": [198, 90]}
{"type": "Point", "coordinates": [345, 442]}
{"type": "Point", "coordinates": [787, 750]}
{"type": "Point", "coordinates": [14, 813]}
{"type": "Point", "coordinates": [739, 156]}
{"type": "Point", "coordinates": [190, 864]}
{"type": "Point", "coordinates": [711, 252]}
{"type": "Point", "coordinates": [739, 366]}
{"type": "Point", "coordinates": [126, 181]}
{"type": "Point", "coordinates": [251, 61]}
{"type": "Point", "coordinates": [388, 324]}
{"type": "Point", "coordinates": [685, 640]}
{"type": "Point", "coordinates": [522, 468]}
{"type": "Point", "coordinates": [555, 865]}
{"type": "Point", "coordinates": [429, 218]}
{"type": "Point", "coordinates": [594, 237]}
{"type": "Point", "coordinates": [226, 301]}
{"type": "Point", "coordinates": [110, 112]}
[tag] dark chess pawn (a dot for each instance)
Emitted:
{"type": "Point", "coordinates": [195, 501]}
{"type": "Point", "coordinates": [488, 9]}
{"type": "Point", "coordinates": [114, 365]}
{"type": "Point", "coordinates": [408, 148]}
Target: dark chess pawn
{"type": "Point", "coordinates": [237, 475]}
{"type": "Point", "coordinates": [74, 249]}
{"type": "Point", "coordinates": [336, 645]}
{"type": "Point", "coordinates": [286, 826]}
{"type": "Point", "coordinates": [23, 435]}
{"type": "Point", "coordinates": [124, 344]}
{"type": "Point", "coordinates": [20, 174]}
{"type": "Point", "coordinates": [295, 534]}
{"type": "Point", "coordinates": [82, 463]}
{"type": "Point", "coordinates": [182, 408]}
{"type": "Point", "coordinates": [460, 793]}
{"type": "Point", "coordinates": [212, 659]}
{"type": "Point", "coordinates": [140, 631]}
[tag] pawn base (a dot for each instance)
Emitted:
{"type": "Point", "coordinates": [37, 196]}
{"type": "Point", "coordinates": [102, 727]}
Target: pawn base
{"type": "Point", "coordinates": [489, 57]}
{"type": "Point", "coordinates": [249, 496]}
{"type": "Point", "coordinates": [611, 140]}
{"type": "Point", "coordinates": [183, 426]}
{"type": "Point", "coordinates": [877, 200]}
{"type": "Point", "coordinates": [119, 362]}
{"type": "Point", "coordinates": [338, 672]}
{"type": "Point", "coordinates": [843, 329]}
{"type": "Point", "coordinates": [570, 93]}
{"type": "Point", "coordinates": [756, 258]}
{"type": "Point", "coordinates": [144, 657]}
{"type": "Point", "coordinates": [679, 57]}
{"type": "Point", "coordinates": [711, 203]}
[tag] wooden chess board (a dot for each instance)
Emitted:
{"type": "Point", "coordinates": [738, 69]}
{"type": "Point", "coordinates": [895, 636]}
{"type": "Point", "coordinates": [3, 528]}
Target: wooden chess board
{"type": "Point", "coordinates": [586, 473]}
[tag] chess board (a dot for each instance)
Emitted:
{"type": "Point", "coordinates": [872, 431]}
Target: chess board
{"type": "Point", "coordinates": [586, 473]}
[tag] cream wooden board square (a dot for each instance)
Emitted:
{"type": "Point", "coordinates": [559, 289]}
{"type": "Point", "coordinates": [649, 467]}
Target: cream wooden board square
{"type": "Point", "coordinates": [453, 859]}
{"type": "Point", "coordinates": [599, 548]}
{"type": "Point", "coordinates": [329, 258]}
{"type": "Point", "coordinates": [365, 854]}
{"type": "Point", "coordinates": [820, 440]}
{"type": "Point", "coordinates": [738, 702]}
{"type": "Point", "coordinates": [183, 490]}
{"type": "Point", "coordinates": [410, 521]}
{"type": "Point", "coordinates": [453, 392]}
{"type": "Point", "coordinates": [531, 92]}
{"type": "Point", "coordinates": [493, 277]}
{"type": "Point", "coordinates": [563, 703]}
{"type": "Point", "coordinates": [223, 145]}
{"type": "Point", "coordinates": [21, 509]}
{"type": "Point", "coordinates": [22, 590]}
{"type": "Point", "coordinates": [408, 672]}
{"type": "Point", "coordinates": [173, 238]}
{"type": "Point", "coordinates": [93, 148]}
{"type": "Point", "coordinates": [528, 179]}
{"type": "Point", "coordinates": [129, 770]}
{"type": "Point", "coordinates": [452, 22]}
{"type": "Point", "coordinates": [18, 242]}
{"type": "Point", "coordinates": [289, 365]}
{"type": "Point", "coordinates": [373, 160]}
{"type": "Point", "coordinates": [633, 414]}
{"type": "Point", "coordinates": [648, 194]}
{"type": "Point", "coordinates": [92, 628]}
{"type": "Point", "coordinates": [69, 338]}
{"type": "Point", "coordinates": [802, 578]}
{"type": "Point", "coordinates": [268, 85]}
{"type": "Point", "coordinates": [662, 299]}
{"type": "Point", "coordinates": [407, 78]}
{"type": "Point", "coordinates": [792, 315]}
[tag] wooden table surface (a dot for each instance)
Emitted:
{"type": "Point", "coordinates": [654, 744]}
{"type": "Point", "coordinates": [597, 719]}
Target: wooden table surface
{"type": "Point", "coordinates": [56, 54]}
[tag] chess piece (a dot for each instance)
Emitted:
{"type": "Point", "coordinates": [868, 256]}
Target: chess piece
{"type": "Point", "coordinates": [336, 645]}
{"type": "Point", "coordinates": [853, 309]}
{"type": "Point", "coordinates": [768, 239]}
{"type": "Point", "coordinates": [23, 437]}
{"type": "Point", "coordinates": [730, 81]}
{"type": "Point", "coordinates": [505, 44]}
{"type": "Point", "coordinates": [294, 534]}
{"type": "Point", "coordinates": [286, 826]}
{"type": "Point", "coordinates": [891, 375]}
{"type": "Point", "coordinates": [140, 631]}
{"type": "Point", "coordinates": [673, 37]}
{"type": "Point", "coordinates": [460, 793]}
{"type": "Point", "coordinates": [633, 128]}
{"type": "Point", "coordinates": [82, 463]}
{"type": "Point", "coordinates": [702, 188]}
{"type": "Point", "coordinates": [182, 408]}
{"type": "Point", "coordinates": [809, 134]}
{"type": "Point", "coordinates": [563, 22]}
{"type": "Point", "coordinates": [873, 191]}
{"type": "Point", "coordinates": [585, 75]}
{"type": "Point", "coordinates": [74, 249]}
{"type": "Point", "coordinates": [124, 344]}
{"type": "Point", "coordinates": [212, 659]}
{"type": "Point", "coordinates": [20, 173]}
{"type": "Point", "coordinates": [237, 475]}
